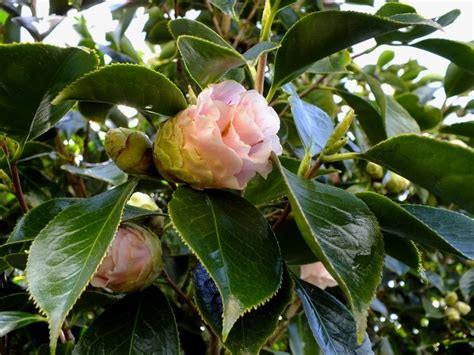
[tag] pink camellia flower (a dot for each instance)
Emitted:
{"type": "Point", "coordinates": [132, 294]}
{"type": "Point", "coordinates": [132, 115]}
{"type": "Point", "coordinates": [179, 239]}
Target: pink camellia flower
{"type": "Point", "coordinates": [133, 260]}
{"type": "Point", "coordinates": [222, 141]}
{"type": "Point", "coordinates": [318, 275]}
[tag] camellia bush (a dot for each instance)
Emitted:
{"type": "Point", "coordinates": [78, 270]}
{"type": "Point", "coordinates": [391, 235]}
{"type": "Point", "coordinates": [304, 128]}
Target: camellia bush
{"type": "Point", "coordinates": [266, 194]}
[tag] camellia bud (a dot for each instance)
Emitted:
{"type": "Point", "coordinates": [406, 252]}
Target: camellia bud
{"type": "Point", "coordinates": [451, 298]}
{"type": "Point", "coordinates": [396, 183]}
{"type": "Point", "coordinates": [452, 314]}
{"type": "Point", "coordinates": [130, 150]}
{"type": "Point", "coordinates": [375, 171]}
{"type": "Point", "coordinates": [133, 261]}
{"type": "Point", "coordinates": [462, 307]}
{"type": "Point", "coordinates": [221, 142]}
{"type": "Point", "coordinates": [317, 274]}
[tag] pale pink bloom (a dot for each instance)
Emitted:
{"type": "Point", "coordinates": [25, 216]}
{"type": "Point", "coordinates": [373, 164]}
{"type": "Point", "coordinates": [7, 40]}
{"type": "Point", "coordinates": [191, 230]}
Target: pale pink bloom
{"type": "Point", "coordinates": [133, 260]}
{"type": "Point", "coordinates": [318, 275]}
{"type": "Point", "coordinates": [222, 141]}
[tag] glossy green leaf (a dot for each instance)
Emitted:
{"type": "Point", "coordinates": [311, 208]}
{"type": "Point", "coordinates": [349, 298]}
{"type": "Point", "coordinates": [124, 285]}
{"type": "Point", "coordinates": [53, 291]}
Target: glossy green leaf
{"type": "Point", "coordinates": [36, 219]}
{"type": "Point", "coordinates": [67, 252]}
{"type": "Point", "coordinates": [184, 26]}
{"type": "Point", "coordinates": [233, 240]}
{"type": "Point", "coordinates": [403, 250]}
{"type": "Point", "coordinates": [414, 32]}
{"type": "Point", "coordinates": [426, 116]}
{"type": "Point", "coordinates": [369, 118]}
{"type": "Point", "coordinates": [466, 284]}
{"type": "Point", "coordinates": [226, 6]}
{"type": "Point", "coordinates": [127, 84]}
{"type": "Point", "coordinates": [206, 61]}
{"type": "Point", "coordinates": [31, 75]}
{"type": "Point", "coordinates": [457, 80]}
{"type": "Point", "coordinates": [440, 167]}
{"type": "Point", "coordinates": [107, 171]}
{"type": "Point", "coordinates": [260, 48]}
{"type": "Point", "coordinates": [332, 323]}
{"type": "Point", "coordinates": [344, 234]}
{"type": "Point", "coordinates": [465, 129]}
{"type": "Point", "coordinates": [460, 53]}
{"type": "Point", "coordinates": [301, 337]}
{"type": "Point", "coordinates": [139, 324]}
{"type": "Point", "coordinates": [334, 64]}
{"type": "Point", "coordinates": [159, 33]}
{"type": "Point", "coordinates": [10, 320]}
{"type": "Point", "coordinates": [305, 43]}
{"type": "Point", "coordinates": [442, 229]}
{"type": "Point", "coordinates": [252, 330]}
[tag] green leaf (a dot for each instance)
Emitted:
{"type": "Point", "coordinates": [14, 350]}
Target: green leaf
{"type": "Point", "coordinates": [332, 324]}
{"type": "Point", "coordinates": [457, 80]}
{"type": "Point", "coordinates": [444, 169]}
{"type": "Point", "coordinates": [159, 33]}
{"type": "Point", "coordinates": [107, 171]}
{"type": "Point", "coordinates": [10, 321]}
{"type": "Point", "coordinates": [369, 118]}
{"type": "Point", "coordinates": [343, 233]}
{"type": "Point", "coordinates": [127, 84]}
{"type": "Point", "coordinates": [226, 6]}
{"type": "Point", "coordinates": [252, 330]}
{"type": "Point", "coordinates": [256, 51]}
{"type": "Point", "coordinates": [183, 26]}
{"type": "Point", "coordinates": [418, 31]}
{"type": "Point", "coordinates": [31, 75]}
{"type": "Point", "coordinates": [66, 253]}
{"type": "Point", "coordinates": [460, 53]}
{"type": "Point", "coordinates": [206, 61]}
{"type": "Point", "coordinates": [333, 64]}
{"type": "Point", "coordinates": [442, 229]}
{"type": "Point", "coordinates": [141, 323]}
{"type": "Point", "coordinates": [403, 250]}
{"type": "Point", "coordinates": [314, 126]}
{"type": "Point", "coordinates": [301, 338]}
{"type": "Point", "coordinates": [17, 301]}
{"type": "Point", "coordinates": [36, 219]}
{"type": "Point", "coordinates": [305, 43]}
{"type": "Point", "coordinates": [465, 129]}
{"type": "Point", "coordinates": [277, 5]}
{"type": "Point", "coordinates": [233, 240]}
{"type": "Point", "coordinates": [426, 116]}
{"type": "Point", "coordinates": [466, 284]}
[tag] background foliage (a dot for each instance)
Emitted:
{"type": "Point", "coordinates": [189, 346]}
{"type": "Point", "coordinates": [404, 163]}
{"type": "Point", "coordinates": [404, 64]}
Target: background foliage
{"type": "Point", "coordinates": [408, 243]}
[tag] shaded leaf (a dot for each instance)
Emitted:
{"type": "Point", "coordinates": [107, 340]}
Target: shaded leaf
{"type": "Point", "coordinates": [31, 75]}
{"type": "Point", "coordinates": [10, 321]}
{"type": "Point", "coordinates": [444, 169]}
{"type": "Point", "coordinates": [465, 129]}
{"type": "Point", "coordinates": [457, 80]}
{"type": "Point", "coordinates": [67, 252]}
{"type": "Point", "coordinates": [403, 250]}
{"type": "Point", "coordinates": [141, 323]}
{"type": "Point", "coordinates": [301, 338]}
{"type": "Point", "coordinates": [127, 84]}
{"type": "Point", "coordinates": [183, 26]}
{"type": "Point", "coordinates": [232, 239]}
{"type": "Point", "coordinates": [426, 116]}
{"type": "Point", "coordinates": [343, 233]}
{"type": "Point", "coordinates": [466, 284]}
{"type": "Point", "coordinates": [206, 61]}
{"type": "Point", "coordinates": [332, 323]}
{"type": "Point", "coordinates": [226, 6]}
{"type": "Point", "coordinates": [256, 51]}
{"type": "Point", "coordinates": [107, 171]}
{"type": "Point", "coordinates": [305, 43]}
{"type": "Point", "coordinates": [435, 227]}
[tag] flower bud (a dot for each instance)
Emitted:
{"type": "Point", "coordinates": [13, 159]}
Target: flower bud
{"type": "Point", "coordinates": [462, 307]}
{"type": "Point", "coordinates": [139, 199]}
{"type": "Point", "coordinates": [452, 314]}
{"type": "Point", "coordinates": [375, 171]}
{"type": "Point", "coordinates": [317, 274]}
{"type": "Point", "coordinates": [221, 142]}
{"type": "Point", "coordinates": [451, 298]}
{"type": "Point", "coordinates": [133, 260]}
{"type": "Point", "coordinates": [396, 183]}
{"type": "Point", "coordinates": [130, 150]}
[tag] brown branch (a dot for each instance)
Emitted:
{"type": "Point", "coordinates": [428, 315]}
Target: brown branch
{"type": "Point", "coordinates": [17, 185]}
{"type": "Point", "coordinates": [180, 293]}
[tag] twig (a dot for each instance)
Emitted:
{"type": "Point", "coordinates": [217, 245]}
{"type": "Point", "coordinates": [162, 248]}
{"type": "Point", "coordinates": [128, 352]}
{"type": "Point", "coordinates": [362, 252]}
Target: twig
{"type": "Point", "coordinates": [245, 23]}
{"type": "Point", "coordinates": [180, 293]}
{"type": "Point", "coordinates": [17, 185]}
{"type": "Point", "coordinates": [214, 18]}
{"type": "Point", "coordinates": [282, 217]}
